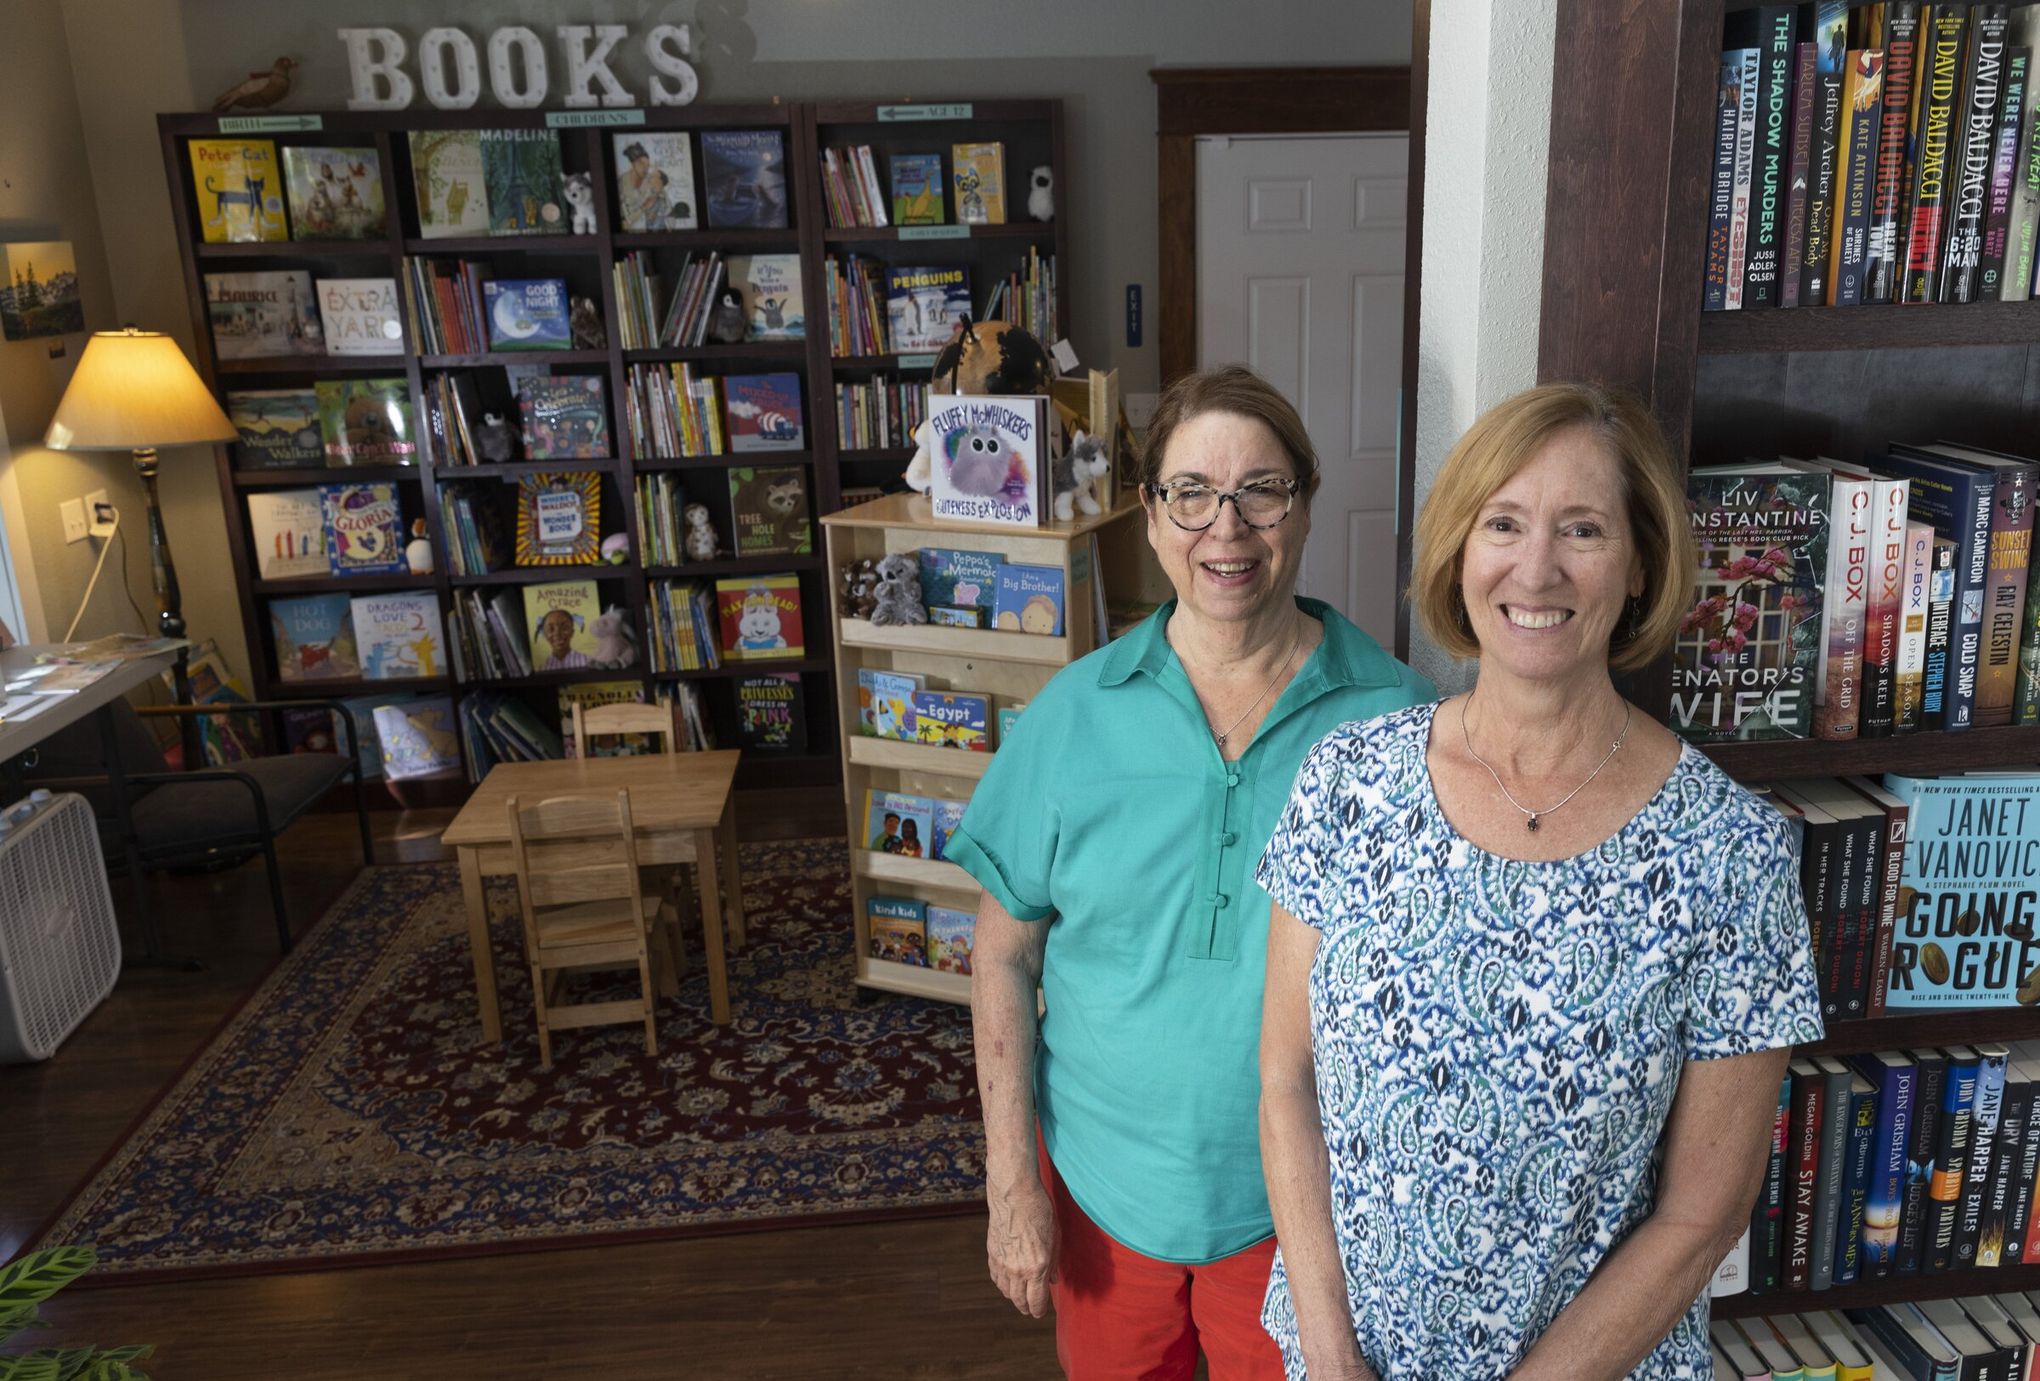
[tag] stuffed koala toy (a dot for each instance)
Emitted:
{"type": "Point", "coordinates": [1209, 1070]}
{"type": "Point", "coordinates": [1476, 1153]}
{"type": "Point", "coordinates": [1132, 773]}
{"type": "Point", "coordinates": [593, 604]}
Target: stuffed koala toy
{"type": "Point", "coordinates": [580, 193]}
{"type": "Point", "coordinates": [1082, 461]}
{"type": "Point", "coordinates": [857, 588]}
{"type": "Point", "coordinates": [899, 590]}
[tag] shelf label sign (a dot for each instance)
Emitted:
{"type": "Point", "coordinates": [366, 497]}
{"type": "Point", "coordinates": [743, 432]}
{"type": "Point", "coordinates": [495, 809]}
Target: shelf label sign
{"type": "Point", "coordinates": [583, 119]}
{"type": "Point", "coordinates": [934, 232]}
{"type": "Point", "coordinates": [955, 110]}
{"type": "Point", "coordinates": [917, 362]}
{"type": "Point", "coordinates": [261, 124]}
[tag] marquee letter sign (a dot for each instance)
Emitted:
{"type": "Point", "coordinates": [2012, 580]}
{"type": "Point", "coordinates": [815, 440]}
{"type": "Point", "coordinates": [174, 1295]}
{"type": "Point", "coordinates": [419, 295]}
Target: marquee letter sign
{"type": "Point", "coordinates": [520, 68]}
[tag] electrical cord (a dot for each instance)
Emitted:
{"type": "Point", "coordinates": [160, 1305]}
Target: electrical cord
{"type": "Point", "coordinates": [97, 567]}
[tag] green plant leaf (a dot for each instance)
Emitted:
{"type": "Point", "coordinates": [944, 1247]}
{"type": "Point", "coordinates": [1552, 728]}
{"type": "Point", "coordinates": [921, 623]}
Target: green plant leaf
{"type": "Point", "coordinates": [130, 1352]}
{"type": "Point", "coordinates": [13, 1321]}
{"type": "Point", "coordinates": [29, 1368]}
{"type": "Point", "coordinates": [70, 1361]}
{"type": "Point", "coordinates": [37, 1276]}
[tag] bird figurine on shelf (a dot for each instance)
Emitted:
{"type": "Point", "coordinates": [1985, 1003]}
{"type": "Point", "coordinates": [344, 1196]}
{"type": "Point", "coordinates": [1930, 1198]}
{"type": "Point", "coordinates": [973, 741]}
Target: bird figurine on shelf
{"type": "Point", "coordinates": [261, 90]}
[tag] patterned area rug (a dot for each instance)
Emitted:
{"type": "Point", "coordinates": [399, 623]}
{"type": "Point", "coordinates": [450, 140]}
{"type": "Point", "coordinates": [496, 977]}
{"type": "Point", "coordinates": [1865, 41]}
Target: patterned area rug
{"type": "Point", "coordinates": [349, 1113]}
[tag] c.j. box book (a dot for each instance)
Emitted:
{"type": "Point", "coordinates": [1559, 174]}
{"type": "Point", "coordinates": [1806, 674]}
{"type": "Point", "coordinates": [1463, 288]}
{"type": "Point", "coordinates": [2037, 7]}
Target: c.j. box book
{"type": "Point", "coordinates": [1744, 663]}
{"type": "Point", "coordinates": [1966, 900]}
{"type": "Point", "coordinates": [989, 455]}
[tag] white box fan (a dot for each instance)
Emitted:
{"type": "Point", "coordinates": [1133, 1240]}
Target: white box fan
{"type": "Point", "coordinates": [59, 945]}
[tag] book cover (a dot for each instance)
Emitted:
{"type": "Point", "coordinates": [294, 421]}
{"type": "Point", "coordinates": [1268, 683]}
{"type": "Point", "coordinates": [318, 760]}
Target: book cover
{"type": "Point", "coordinates": [1931, 1070]}
{"type": "Point", "coordinates": [559, 617]}
{"type": "Point", "coordinates": [360, 316]}
{"type": "Point", "coordinates": [1747, 653]}
{"type": "Point", "coordinates": [770, 510]}
{"type": "Point", "coordinates": [957, 615]}
{"type": "Point", "coordinates": [1805, 77]}
{"type": "Point", "coordinates": [1767, 1217]}
{"type": "Point", "coordinates": [1951, 1159]}
{"type": "Point", "coordinates": [764, 411]}
{"type": "Point", "coordinates": [1029, 599]}
{"type": "Point", "coordinates": [1862, 109]}
{"type": "Point", "coordinates": [279, 428]}
{"type": "Point", "coordinates": [591, 694]}
{"type": "Point", "coordinates": [950, 934]}
{"type": "Point", "coordinates": [321, 731]}
{"type": "Point", "coordinates": [654, 182]}
{"type": "Point", "coordinates": [240, 191]}
{"type": "Point", "coordinates": [1834, 1149]}
{"type": "Point", "coordinates": [1897, 833]}
{"type": "Point", "coordinates": [952, 719]}
{"type": "Point", "coordinates": [948, 815]}
{"type": "Point", "coordinates": [1721, 195]}
{"type": "Point", "coordinates": [527, 314]}
{"type": "Point", "coordinates": [1972, 145]}
{"type": "Point", "coordinates": [770, 286]}
{"type": "Point", "coordinates": [1997, 219]}
{"type": "Point", "coordinates": [287, 528]}
{"type": "Point", "coordinates": [1768, 29]}
{"type": "Point", "coordinates": [1962, 939]}
{"type": "Point", "coordinates": [565, 417]}
{"type": "Point", "coordinates": [2022, 235]}
{"type": "Point", "coordinates": [1909, 675]}
{"type": "Point", "coordinates": [399, 636]}
{"type": "Point", "coordinates": [1893, 1077]}
{"type": "Point", "coordinates": [1749, 64]}
{"type": "Point", "coordinates": [1883, 263]}
{"type": "Point", "coordinates": [979, 174]}
{"type": "Point", "coordinates": [1884, 602]}
{"type": "Point", "coordinates": [1940, 624]}
{"type": "Point", "coordinates": [760, 617]}
{"type": "Point", "coordinates": [1838, 682]}
{"type": "Point", "coordinates": [364, 529]}
{"type": "Point", "coordinates": [2020, 1231]}
{"type": "Point", "coordinates": [771, 713]}
{"type": "Point", "coordinates": [526, 183]}
{"type": "Point", "coordinates": [446, 176]}
{"type": "Point", "coordinates": [1830, 37]}
{"type": "Point", "coordinates": [1957, 500]}
{"type": "Point", "coordinates": [953, 576]}
{"type": "Point", "coordinates": [1803, 1159]}
{"type": "Point", "coordinates": [989, 456]}
{"type": "Point", "coordinates": [335, 194]}
{"type": "Point", "coordinates": [314, 638]}
{"type": "Point", "coordinates": [366, 422]}
{"type": "Point", "coordinates": [917, 189]}
{"type": "Point", "coordinates": [1861, 1125]}
{"type": "Point", "coordinates": [1938, 82]}
{"type": "Point", "coordinates": [262, 315]}
{"type": "Point", "coordinates": [898, 822]}
{"type": "Point", "coordinates": [925, 304]}
{"type": "Point", "coordinates": [559, 518]}
{"type": "Point", "coordinates": [419, 738]}
{"type": "Point", "coordinates": [2004, 598]}
{"type": "Point", "coordinates": [885, 703]}
{"type": "Point", "coordinates": [1994, 1246]}
{"type": "Point", "coordinates": [744, 177]}
{"type": "Point", "coordinates": [898, 929]}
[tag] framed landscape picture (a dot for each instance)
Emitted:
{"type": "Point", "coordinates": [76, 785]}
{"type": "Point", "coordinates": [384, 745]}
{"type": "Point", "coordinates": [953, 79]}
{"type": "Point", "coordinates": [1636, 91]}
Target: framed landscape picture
{"type": "Point", "coordinates": [40, 296]}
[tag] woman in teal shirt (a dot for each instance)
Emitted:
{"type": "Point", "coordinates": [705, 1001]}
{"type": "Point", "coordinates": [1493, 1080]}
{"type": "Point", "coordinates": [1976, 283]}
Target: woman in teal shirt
{"type": "Point", "coordinates": [1115, 834]}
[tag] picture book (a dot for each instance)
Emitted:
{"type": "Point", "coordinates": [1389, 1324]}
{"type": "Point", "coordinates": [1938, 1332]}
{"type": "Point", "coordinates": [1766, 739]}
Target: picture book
{"type": "Point", "coordinates": [259, 315]}
{"type": "Point", "coordinates": [989, 455]}
{"type": "Point", "coordinates": [760, 616]}
{"type": "Point", "coordinates": [335, 194]}
{"type": "Point", "coordinates": [952, 719]}
{"type": "Point", "coordinates": [654, 182]}
{"type": "Point", "coordinates": [419, 738]}
{"type": "Point", "coordinates": [559, 518]}
{"type": "Point", "coordinates": [978, 172]}
{"type": "Point", "coordinates": [565, 417]}
{"type": "Point", "coordinates": [446, 175]}
{"type": "Point", "coordinates": [925, 305]}
{"type": "Point", "coordinates": [770, 287]}
{"type": "Point", "coordinates": [917, 189]}
{"type": "Point", "coordinates": [314, 638]}
{"type": "Point", "coordinates": [948, 815]}
{"type": "Point", "coordinates": [367, 422]}
{"type": "Point", "coordinates": [559, 618]}
{"type": "Point", "coordinates": [1029, 599]}
{"type": "Point", "coordinates": [360, 316]}
{"type": "Point", "coordinates": [770, 509]}
{"type": "Point", "coordinates": [364, 529]}
{"type": "Point", "coordinates": [885, 703]}
{"type": "Point", "coordinates": [240, 190]}
{"type": "Point", "coordinates": [223, 739]}
{"type": "Point", "coordinates": [279, 428]}
{"type": "Point", "coordinates": [527, 314]}
{"type": "Point", "coordinates": [1963, 937]}
{"type": "Point", "coordinates": [898, 822]}
{"type": "Point", "coordinates": [764, 411]}
{"type": "Point", "coordinates": [953, 576]}
{"type": "Point", "coordinates": [899, 930]}
{"type": "Point", "coordinates": [1009, 715]}
{"type": "Point", "coordinates": [771, 717]}
{"type": "Point", "coordinates": [398, 636]}
{"type": "Point", "coordinates": [743, 172]}
{"type": "Point", "coordinates": [287, 528]}
{"type": "Point", "coordinates": [956, 615]}
{"type": "Point", "coordinates": [590, 694]}
{"type": "Point", "coordinates": [1744, 664]}
{"type": "Point", "coordinates": [319, 731]}
{"type": "Point", "coordinates": [526, 183]}
{"type": "Point", "coordinates": [949, 939]}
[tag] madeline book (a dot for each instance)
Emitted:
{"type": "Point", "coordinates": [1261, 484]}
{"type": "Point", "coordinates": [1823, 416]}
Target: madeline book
{"type": "Point", "coordinates": [744, 177]}
{"type": "Point", "coordinates": [314, 638]}
{"type": "Point", "coordinates": [950, 932]}
{"type": "Point", "coordinates": [279, 428]}
{"type": "Point", "coordinates": [760, 617]}
{"type": "Point", "coordinates": [654, 181]}
{"type": "Point", "coordinates": [959, 578]}
{"type": "Point", "coordinates": [525, 180]}
{"type": "Point", "coordinates": [917, 189]}
{"type": "Point", "coordinates": [565, 417]}
{"type": "Point", "coordinates": [898, 822]}
{"type": "Point", "coordinates": [925, 305]}
{"type": "Point", "coordinates": [287, 528]}
{"type": "Point", "coordinates": [419, 738]}
{"type": "Point", "coordinates": [948, 815]}
{"type": "Point", "coordinates": [885, 703]}
{"type": "Point", "coordinates": [360, 316]}
{"type": "Point", "coordinates": [240, 191]}
{"type": "Point", "coordinates": [527, 314]}
{"type": "Point", "coordinates": [364, 529]}
{"type": "Point", "coordinates": [952, 719]}
{"type": "Point", "coordinates": [1963, 936]}
{"type": "Point", "coordinates": [559, 518]}
{"type": "Point", "coordinates": [335, 194]}
{"type": "Point", "coordinates": [764, 411]}
{"type": "Point", "coordinates": [1029, 599]}
{"type": "Point", "coordinates": [770, 287]}
{"type": "Point", "coordinates": [446, 173]}
{"type": "Point", "coordinates": [1744, 664]}
{"type": "Point", "coordinates": [770, 715]}
{"type": "Point", "coordinates": [988, 455]}
{"type": "Point", "coordinates": [770, 508]}
{"type": "Point", "coordinates": [979, 174]}
{"type": "Point", "coordinates": [559, 618]}
{"type": "Point", "coordinates": [260, 315]}
{"type": "Point", "coordinates": [367, 422]}
{"type": "Point", "coordinates": [591, 694]}
{"type": "Point", "coordinates": [899, 930]}
{"type": "Point", "coordinates": [399, 636]}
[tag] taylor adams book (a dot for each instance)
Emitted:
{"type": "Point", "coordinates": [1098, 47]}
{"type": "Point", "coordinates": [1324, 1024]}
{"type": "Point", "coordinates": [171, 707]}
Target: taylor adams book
{"type": "Point", "coordinates": [1747, 652]}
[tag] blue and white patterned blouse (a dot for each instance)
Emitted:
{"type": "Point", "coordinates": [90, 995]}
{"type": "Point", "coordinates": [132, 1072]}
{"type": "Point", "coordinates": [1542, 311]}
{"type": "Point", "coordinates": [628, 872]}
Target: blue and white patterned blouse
{"type": "Point", "coordinates": [1497, 1043]}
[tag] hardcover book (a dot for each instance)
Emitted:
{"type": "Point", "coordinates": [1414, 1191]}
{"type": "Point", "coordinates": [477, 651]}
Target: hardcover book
{"type": "Point", "coordinates": [654, 181]}
{"type": "Point", "coordinates": [770, 510]}
{"type": "Point", "coordinates": [526, 182]}
{"type": "Point", "coordinates": [399, 635]}
{"type": "Point", "coordinates": [898, 929]}
{"type": "Point", "coordinates": [771, 717]}
{"type": "Point", "coordinates": [565, 417]}
{"type": "Point", "coordinates": [744, 172]}
{"type": "Point", "coordinates": [279, 428]}
{"type": "Point", "coordinates": [948, 816]}
{"type": "Point", "coordinates": [1830, 39]}
{"type": "Point", "coordinates": [527, 314]}
{"type": "Point", "coordinates": [261, 315]}
{"type": "Point", "coordinates": [950, 933]}
{"type": "Point", "coordinates": [764, 411]}
{"type": "Point", "coordinates": [1883, 265]}
{"type": "Point", "coordinates": [1910, 677]}
{"type": "Point", "coordinates": [760, 617]}
{"type": "Point", "coordinates": [952, 719]}
{"type": "Point", "coordinates": [446, 175]}
{"type": "Point", "coordinates": [559, 616]}
{"type": "Point", "coordinates": [1970, 859]}
{"type": "Point", "coordinates": [1934, 152]}
{"type": "Point", "coordinates": [419, 738]}
{"type": "Point", "coordinates": [988, 458]}
{"type": "Point", "coordinates": [364, 529]}
{"type": "Point", "coordinates": [559, 518]}
{"type": "Point", "coordinates": [360, 316]}
{"type": "Point", "coordinates": [1958, 500]}
{"type": "Point", "coordinates": [885, 703]}
{"type": "Point", "coordinates": [366, 422]}
{"type": "Point", "coordinates": [240, 191]}
{"type": "Point", "coordinates": [314, 638]}
{"type": "Point", "coordinates": [287, 528]}
{"type": "Point", "coordinates": [953, 576]}
{"type": "Point", "coordinates": [1721, 193]}
{"type": "Point", "coordinates": [770, 287]}
{"type": "Point", "coordinates": [1029, 599]}
{"type": "Point", "coordinates": [917, 189]}
{"type": "Point", "coordinates": [335, 194]}
{"type": "Point", "coordinates": [2011, 542]}
{"type": "Point", "coordinates": [924, 305]}
{"type": "Point", "coordinates": [1767, 29]}
{"type": "Point", "coordinates": [979, 174]}
{"type": "Point", "coordinates": [897, 822]}
{"type": "Point", "coordinates": [591, 694]}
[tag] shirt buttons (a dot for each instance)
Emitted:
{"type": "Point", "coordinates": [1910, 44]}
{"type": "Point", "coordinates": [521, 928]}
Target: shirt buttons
{"type": "Point", "coordinates": [1220, 900]}
{"type": "Point", "coordinates": [1232, 779]}
{"type": "Point", "coordinates": [1228, 839]}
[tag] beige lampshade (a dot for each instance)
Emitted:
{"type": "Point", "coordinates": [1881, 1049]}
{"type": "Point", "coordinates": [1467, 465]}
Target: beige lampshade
{"type": "Point", "coordinates": [132, 390]}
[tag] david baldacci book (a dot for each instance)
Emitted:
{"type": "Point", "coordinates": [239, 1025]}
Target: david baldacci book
{"type": "Point", "coordinates": [988, 458]}
{"type": "Point", "coordinates": [527, 314]}
{"type": "Point", "coordinates": [743, 172]}
{"type": "Point", "coordinates": [899, 931]}
{"type": "Point", "coordinates": [446, 173]}
{"type": "Point", "coordinates": [898, 822]}
{"type": "Point", "coordinates": [419, 738]}
{"type": "Point", "coordinates": [240, 191]}
{"type": "Point", "coordinates": [1029, 599]}
{"type": "Point", "coordinates": [287, 528]}
{"type": "Point", "coordinates": [885, 703]}
{"type": "Point", "coordinates": [559, 617]}
{"type": "Point", "coordinates": [261, 315]}
{"type": "Point", "coordinates": [654, 181]}
{"type": "Point", "coordinates": [770, 287]}
{"type": "Point", "coordinates": [760, 617]}
{"type": "Point", "coordinates": [279, 428]}
{"type": "Point", "coordinates": [1971, 866]}
{"type": "Point", "coordinates": [770, 509]}
{"type": "Point", "coordinates": [360, 316]}
{"type": "Point", "coordinates": [764, 411]}
{"type": "Point", "coordinates": [917, 189]}
{"type": "Point", "coordinates": [398, 636]}
{"type": "Point", "coordinates": [335, 194]}
{"type": "Point", "coordinates": [978, 172]}
{"type": "Point", "coordinates": [364, 529]}
{"type": "Point", "coordinates": [314, 638]}
{"type": "Point", "coordinates": [924, 305]}
{"type": "Point", "coordinates": [559, 518]}
{"type": "Point", "coordinates": [770, 715]}
{"type": "Point", "coordinates": [366, 422]}
{"type": "Point", "coordinates": [565, 417]}
{"type": "Point", "coordinates": [527, 185]}
{"type": "Point", "coordinates": [950, 933]}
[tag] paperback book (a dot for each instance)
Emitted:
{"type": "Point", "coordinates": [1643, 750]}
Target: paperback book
{"type": "Point", "coordinates": [925, 305]}
{"type": "Point", "coordinates": [744, 176]}
{"type": "Point", "coordinates": [763, 411]}
{"type": "Point", "coordinates": [418, 738]}
{"type": "Point", "coordinates": [956, 577]}
{"type": "Point", "coordinates": [279, 428]}
{"type": "Point", "coordinates": [263, 315]}
{"type": "Point", "coordinates": [952, 719]}
{"type": "Point", "coordinates": [654, 182]}
{"type": "Point", "coordinates": [771, 717]}
{"type": "Point", "coordinates": [897, 822]}
{"type": "Point", "coordinates": [948, 816]}
{"type": "Point", "coordinates": [526, 184]}
{"type": "Point", "coordinates": [335, 194]}
{"type": "Point", "coordinates": [240, 192]}
{"type": "Point", "coordinates": [979, 173]}
{"type": "Point", "coordinates": [565, 417]}
{"type": "Point", "coordinates": [364, 529]}
{"type": "Point", "coordinates": [398, 636]}
{"type": "Point", "coordinates": [770, 510]}
{"type": "Point", "coordinates": [591, 695]}
{"type": "Point", "coordinates": [360, 316]}
{"type": "Point", "coordinates": [885, 703]}
{"type": "Point", "coordinates": [917, 189]}
{"type": "Point", "coordinates": [366, 422]}
{"type": "Point", "coordinates": [760, 617]}
{"type": "Point", "coordinates": [950, 933]}
{"type": "Point", "coordinates": [988, 455]}
{"type": "Point", "coordinates": [899, 930]}
{"type": "Point", "coordinates": [559, 518]}
{"type": "Point", "coordinates": [287, 528]}
{"type": "Point", "coordinates": [770, 286]}
{"type": "Point", "coordinates": [314, 637]}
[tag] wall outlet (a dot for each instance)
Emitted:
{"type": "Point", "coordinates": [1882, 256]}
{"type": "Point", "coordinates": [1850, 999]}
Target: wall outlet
{"type": "Point", "coordinates": [72, 511]}
{"type": "Point", "coordinates": [98, 514]}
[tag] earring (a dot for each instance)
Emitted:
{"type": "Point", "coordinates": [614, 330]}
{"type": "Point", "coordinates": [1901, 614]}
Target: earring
{"type": "Point", "coordinates": [1459, 612]}
{"type": "Point", "coordinates": [1635, 617]}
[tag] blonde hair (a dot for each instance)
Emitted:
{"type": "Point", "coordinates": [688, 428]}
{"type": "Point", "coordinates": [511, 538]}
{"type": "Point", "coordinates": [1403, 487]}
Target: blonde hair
{"type": "Point", "coordinates": [1506, 439]}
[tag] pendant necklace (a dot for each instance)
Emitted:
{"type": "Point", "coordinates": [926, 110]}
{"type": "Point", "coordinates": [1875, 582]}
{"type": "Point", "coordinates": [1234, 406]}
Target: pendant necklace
{"type": "Point", "coordinates": [1295, 636]}
{"type": "Point", "coordinates": [1531, 816]}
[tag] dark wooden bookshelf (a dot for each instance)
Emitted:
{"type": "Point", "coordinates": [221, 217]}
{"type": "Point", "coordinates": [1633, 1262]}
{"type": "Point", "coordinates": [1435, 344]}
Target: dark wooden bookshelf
{"type": "Point", "coordinates": [1883, 326]}
{"type": "Point", "coordinates": [500, 244]}
{"type": "Point", "coordinates": [576, 677]}
{"type": "Point", "coordinates": [734, 353]}
{"type": "Point", "coordinates": [327, 474]}
{"type": "Point", "coordinates": [345, 584]}
{"type": "Point", "coordinates": [735, 565]}
{"type": "Point", "coordinates": [890, 234]}
{"type": "Point", "coordinates": [874, 454]}
{"type": "Point", "coordinates": [739, 237]}
{"type": "Point", "coordinates": [500, 358]}
{"type": "Point", "coordinates": [728, 670]}
{"type": "Point", "coordinates": [1776, 759]}
{"type": "Point", "coordinates": [314, 366]}
{"type": "Point", "coordinates": [1910, 1030]}
{"type": "Point", "coordinates": [533, 575]}
{"type": "Point", "coordinates": [723, 460]}
{"type": "Point", "coordinates": [347, 689]}
{"type": "Point", "coordinates": [511, 469]}
{"type": "Point", "coordinates": [375, 248]}
{"type": "Point", "coordinates": [1890, 1290]}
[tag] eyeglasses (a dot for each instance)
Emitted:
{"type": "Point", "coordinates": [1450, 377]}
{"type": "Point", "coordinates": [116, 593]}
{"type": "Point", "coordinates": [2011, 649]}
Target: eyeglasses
{"type": "Point", "coordinates": [1194, 507]}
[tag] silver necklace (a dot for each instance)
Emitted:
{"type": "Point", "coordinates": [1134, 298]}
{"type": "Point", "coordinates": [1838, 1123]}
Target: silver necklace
{"type": "Point", "coordinates": [1295, 636]}
{"type": "Point", "coordinates": [1530, 823]}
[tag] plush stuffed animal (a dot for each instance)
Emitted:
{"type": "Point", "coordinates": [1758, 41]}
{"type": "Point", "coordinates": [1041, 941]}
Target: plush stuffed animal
{"type": "Point", "coordinates": [581, 197]}
{"type": "Point", "coordinates": [921, 466]}
{"type": "Point", "coordinates": [857, 588]}
{"type": "Point", "coordinates": [496, 439]}
{"type": "Point", "coordinates": [614, 645]}
{"type": "Point", "coordinates": [1082, 461]}
{"type": "Point", "coordinates": [584, 325]}
{"type": "Point", "coordinates": [727, 324]}
{"type": "Point", "coordinates": [899, 590]}
{"type": "Point", "coordinates": [1041, 194]}
{"type": "Point", "coordinates": [616, 548]}
{"type": "Point", "coordinates": [700, 540]}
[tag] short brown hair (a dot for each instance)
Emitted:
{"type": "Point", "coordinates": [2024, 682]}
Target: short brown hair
{"type": "Point", "coordinates": [1508, 437]}
{"type": "Point", "coordinates": [1236, 389]}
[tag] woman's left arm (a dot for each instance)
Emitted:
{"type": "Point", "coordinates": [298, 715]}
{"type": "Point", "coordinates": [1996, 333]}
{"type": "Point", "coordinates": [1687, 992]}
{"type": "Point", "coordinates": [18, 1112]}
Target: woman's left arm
{"type": "Point", "coordinates": [1716, 1144]}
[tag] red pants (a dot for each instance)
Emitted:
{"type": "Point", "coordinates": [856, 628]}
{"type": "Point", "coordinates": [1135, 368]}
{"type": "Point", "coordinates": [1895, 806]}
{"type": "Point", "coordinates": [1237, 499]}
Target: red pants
{"type": "Point", "coordinates": [1121, 1316]}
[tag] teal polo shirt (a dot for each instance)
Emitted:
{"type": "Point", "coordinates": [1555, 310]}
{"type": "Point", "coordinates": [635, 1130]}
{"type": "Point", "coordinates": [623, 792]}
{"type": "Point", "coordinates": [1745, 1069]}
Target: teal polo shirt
{"type": "Point", "coordinates": [1109, 812]}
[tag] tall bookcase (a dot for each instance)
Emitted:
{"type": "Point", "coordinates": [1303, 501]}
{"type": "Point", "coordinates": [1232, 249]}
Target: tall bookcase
{"type": "Point", "coordinates": [1625, 226]}
{"type": "Point", "coordinates": [1033, 133]}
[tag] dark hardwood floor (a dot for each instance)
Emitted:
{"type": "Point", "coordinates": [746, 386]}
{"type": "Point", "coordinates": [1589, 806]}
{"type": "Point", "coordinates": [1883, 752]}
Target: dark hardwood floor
{"type": "Point", "coordinates": [897, 1300]}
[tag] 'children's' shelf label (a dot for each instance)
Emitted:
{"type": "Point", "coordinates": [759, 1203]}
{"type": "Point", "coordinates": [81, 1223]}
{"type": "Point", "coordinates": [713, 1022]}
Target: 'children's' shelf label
{"type": "Point", "coordinates": [934, 232]}
{"type": "Point", "coordinates": [259, 124]}
{"type": "Point", "coordinates": [951, 111]}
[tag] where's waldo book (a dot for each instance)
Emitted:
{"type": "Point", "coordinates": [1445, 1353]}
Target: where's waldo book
{"type": "Point", "coordinates": [1748, 651]}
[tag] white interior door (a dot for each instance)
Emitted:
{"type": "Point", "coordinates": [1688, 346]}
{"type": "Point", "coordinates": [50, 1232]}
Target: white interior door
{"type": "Point", "coordinates": [1300, 277]}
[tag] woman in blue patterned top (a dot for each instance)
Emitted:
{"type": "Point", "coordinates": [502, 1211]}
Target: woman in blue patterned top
{"type": "Point", "coordinates": [1533, 964]}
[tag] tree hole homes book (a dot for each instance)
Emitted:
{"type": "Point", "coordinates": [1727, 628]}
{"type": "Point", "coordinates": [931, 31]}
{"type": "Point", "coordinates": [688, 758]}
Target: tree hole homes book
{"type": "Point", "coordinates": [559, 617]}
{"type": "Point", "coordinates": [744, 177]}
{"type": "Point", "coordinates": [335, 194]}
{"type": "Point", "coordinates": [771, 717]}
{"type": "Point", "coordinates": [898, 928]}
{"type": "Point", "coordinates": [279, 428]}
{"type": "Point", "coordinates": [559, 518]}
{"type": "Point", "coordinates": [924, 305]}
{"type": "Point", "coordinates": [654, 181]}
{"type": "Point", "coordinates": [565, 417]}
{"type": "Point", "coordinates": [366, 422]}
{"type": "Point", "coordinates": [262, 315]}
{"type": "Point", "coordinates": [917, 189]}
{"type": "Point", "coordinates": [446, 174]}
{"type": "Point", "coordinates": [240, 191]}
{"type": "Point", "coordinates": [526, 182]}
{"type": "Point", "coordinates": [398, 636]}
{"type": "Point", "coordinates": [770, 509]}
{"type": "Point", "coordinates": [979, 174]}
{"type": "Point", "coordinates": [314, 637]}
{"type": "Point", "coordinates": [1029, 599]}
{"type": "Point", "coordinates": [764, 411]}
{"type": "Point", "coordinates": [988, 456]}
{"type": "Point", "coordinates": [364, 529]}
{"type": "Point", "coordinates": [287, 528]}
{"type": "Point", "coordinates": [774, 307]}
{"type": "Point", "coordinates": [527, 314]}
{"type": "Point", "coordinates": [360, 316]}
{"type": "Point", "coordinates": [760, 617]}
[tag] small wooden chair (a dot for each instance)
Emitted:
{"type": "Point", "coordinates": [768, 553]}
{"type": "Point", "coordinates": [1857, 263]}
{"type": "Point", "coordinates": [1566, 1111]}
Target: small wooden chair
{"type": "Point", "coordinates": [577, 886]}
